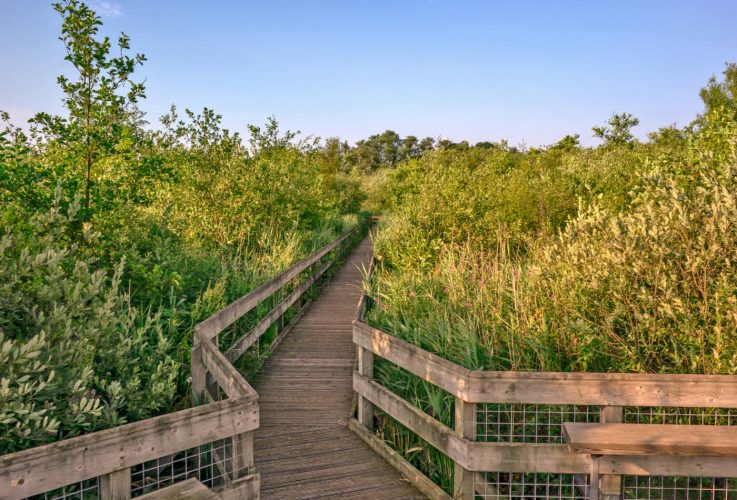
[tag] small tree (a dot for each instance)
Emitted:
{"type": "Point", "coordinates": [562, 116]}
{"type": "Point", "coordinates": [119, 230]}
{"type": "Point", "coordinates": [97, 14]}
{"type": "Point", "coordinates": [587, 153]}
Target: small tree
{"type": "Point", "coordinates": [101, 99]}
{"type": "Point", "coordinates": [568, 143]}
{"type": "Point", "coordinates": [618, 129]}
{"type": "Point", "coordinates": [721, 93]}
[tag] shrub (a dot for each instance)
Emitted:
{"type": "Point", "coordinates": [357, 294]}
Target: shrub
{"type": "Point", "coordinates": [74, 355]}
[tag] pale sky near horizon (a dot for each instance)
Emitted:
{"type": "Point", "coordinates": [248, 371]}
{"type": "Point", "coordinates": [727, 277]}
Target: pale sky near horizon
{"type": "Point", "coordinates": [523, 71]}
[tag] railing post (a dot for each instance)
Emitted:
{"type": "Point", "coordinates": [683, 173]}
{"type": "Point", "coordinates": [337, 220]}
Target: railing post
{"type": "Point", "coordinates": [242, 454]}
{"type": "Point", "coordinates": [116, 485]}
{"type": "Point", "coordinates": [610, 486]}
{"type": "Point", "coordinates": [198, 372]}
{"type": "Point", "coordinates": [465, 427]}
{"type": "Point", "coordinates": [365, 368]}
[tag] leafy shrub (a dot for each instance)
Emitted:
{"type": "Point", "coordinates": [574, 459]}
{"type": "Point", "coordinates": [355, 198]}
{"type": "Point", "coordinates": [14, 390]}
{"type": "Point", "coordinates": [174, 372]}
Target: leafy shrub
{"type": "Point", "coordinates": [74, 355]}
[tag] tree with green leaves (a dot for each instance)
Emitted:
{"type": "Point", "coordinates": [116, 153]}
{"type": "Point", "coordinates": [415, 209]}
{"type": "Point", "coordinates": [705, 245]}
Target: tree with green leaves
{"type": "Point", "coordinates": [721, 93]}
{"type": "Point", "coordinates": [568, 143]}
{"type": "Point", "coordinates": [101, 97]}
{"type": "Point", "coordinates": [617, 130]}
{"type": "Point", "coordinates": [409, 148]}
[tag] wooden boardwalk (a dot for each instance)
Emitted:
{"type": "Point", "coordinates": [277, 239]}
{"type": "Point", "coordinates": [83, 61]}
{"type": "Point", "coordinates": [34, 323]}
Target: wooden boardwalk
{"type": "Point", "coordinates": [303, 448]}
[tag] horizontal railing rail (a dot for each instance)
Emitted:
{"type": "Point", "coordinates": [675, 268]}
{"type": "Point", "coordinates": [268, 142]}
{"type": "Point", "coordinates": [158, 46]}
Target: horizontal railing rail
{"type": "Point", "coordinates": [212, 443]}
{"type": "Point", "coordinates": [494, 403]}
{"type": "Point", "coordinates": [52, 466]}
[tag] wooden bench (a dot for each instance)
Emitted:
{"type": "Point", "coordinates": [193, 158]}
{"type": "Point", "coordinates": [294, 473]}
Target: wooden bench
{"type": "Point", "coordinates": [190, 489]}
{"type": "Point", "coordinates": [651, 439]}
{"type": "Point", "coordinates": [611, 439]}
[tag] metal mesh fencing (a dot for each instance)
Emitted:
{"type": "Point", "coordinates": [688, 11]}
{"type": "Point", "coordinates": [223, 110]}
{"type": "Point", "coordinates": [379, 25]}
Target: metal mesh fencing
{"type": "Point", "coordinates": [680, 416]}
{"type": "Point", "coordinates": [537, 423]}
{"type": "Point", "coordinates": [212, 464]}
{"type": "Point", "coordinates": [83, 490]}
{"type": "Point", "coordinates": [514, 486]}
{"type": "Point", "coordinates": [529, 423]}
{"type": "Point", "coordinates": [679, 488]}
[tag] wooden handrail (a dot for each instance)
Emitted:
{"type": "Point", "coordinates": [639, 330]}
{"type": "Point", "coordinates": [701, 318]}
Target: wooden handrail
{"type": "Point", "coordinates": [219, 321]}
{"type": "Point", "coordinates": [44, 468]}
{"type": "Point", "coordinates": [615, 389]}
{"type": "Point", "coordinates": [248, 339]}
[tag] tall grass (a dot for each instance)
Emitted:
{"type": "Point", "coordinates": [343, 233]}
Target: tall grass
{"type": "Point", "coordinates": [642, 282]}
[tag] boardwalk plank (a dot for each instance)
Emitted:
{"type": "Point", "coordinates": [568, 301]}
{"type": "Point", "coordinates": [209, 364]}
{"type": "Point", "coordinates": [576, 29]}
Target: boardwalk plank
{"type": "Point", "coordinates": [303, 448]}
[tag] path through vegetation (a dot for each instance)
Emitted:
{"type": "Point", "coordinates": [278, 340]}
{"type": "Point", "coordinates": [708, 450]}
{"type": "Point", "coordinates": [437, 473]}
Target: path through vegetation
{"type": "Point", "coordinates": [303, 448]}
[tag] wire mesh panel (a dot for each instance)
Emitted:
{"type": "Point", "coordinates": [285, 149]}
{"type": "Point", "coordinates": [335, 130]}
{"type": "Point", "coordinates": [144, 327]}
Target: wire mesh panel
{"type": "Point", "coordinates": [83, 490]}
{"type": "Point", "coordinates": [679, 488]}
{"type": "Point", "coordinates": [211, 464]}
{"type": "Point", "coordinates": [513, 486]}
{"type": "Point", "coordinates": [680, 416]}
{"type": "Point", "coordinates": [529, 423]}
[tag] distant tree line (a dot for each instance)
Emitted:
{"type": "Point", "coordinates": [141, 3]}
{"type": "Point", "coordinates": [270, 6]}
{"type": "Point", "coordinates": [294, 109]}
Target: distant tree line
{"type": "Point", "coordinates": [388, 149]}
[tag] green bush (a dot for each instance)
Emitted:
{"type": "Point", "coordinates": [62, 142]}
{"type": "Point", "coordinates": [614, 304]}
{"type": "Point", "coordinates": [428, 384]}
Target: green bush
{"type": "Point", "coordinates": [74, 355]}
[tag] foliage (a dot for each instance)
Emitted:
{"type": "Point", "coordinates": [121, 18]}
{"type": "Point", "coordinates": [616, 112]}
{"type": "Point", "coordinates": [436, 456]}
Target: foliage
{"type": "Point", "coordinates": [618, 130]}
{"type": "Point", "coordinates": [118, 239]}
{"type": "Point", "coordinates": [74, 355]}
{"type": "Point", "coordinates": [480, 194]}
{"type": "Point", "coordinates": [101, 100]}
{"type": "Point", "coordinates": [638, 276]}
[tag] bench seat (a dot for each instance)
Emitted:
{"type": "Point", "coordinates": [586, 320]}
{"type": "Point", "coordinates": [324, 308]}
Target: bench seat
{"type": "Point", "coordinates": [651, 439]}
{"type": "Point", "coordinates": [190, 489]}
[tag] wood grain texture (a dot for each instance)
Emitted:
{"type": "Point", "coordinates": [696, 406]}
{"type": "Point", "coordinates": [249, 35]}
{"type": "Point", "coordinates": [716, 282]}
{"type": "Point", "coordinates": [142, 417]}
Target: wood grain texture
{"type": "Point", "coordinates": [190, 489]}
{"type": "Point", "coordinates": [304, 448]}
{"type": "Point", "coordinates": [644, 439]}
{"type": "Point", "coordinates": [44, 468]}
{"type": "Point", "coordinates": [116, 485]}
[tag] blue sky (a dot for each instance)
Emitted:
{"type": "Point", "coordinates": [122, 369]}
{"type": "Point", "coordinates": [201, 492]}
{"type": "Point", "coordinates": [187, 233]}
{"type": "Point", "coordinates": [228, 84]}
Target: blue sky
{"type": "Point", "coordinates": [524, 71]}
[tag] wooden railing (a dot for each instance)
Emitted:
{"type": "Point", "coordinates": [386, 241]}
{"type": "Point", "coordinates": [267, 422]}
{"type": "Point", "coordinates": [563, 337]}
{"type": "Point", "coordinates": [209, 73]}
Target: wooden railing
{"type": "Point", "coordinates": [212, 442]}
{"type": "Point", "coordinates": [479, 394]}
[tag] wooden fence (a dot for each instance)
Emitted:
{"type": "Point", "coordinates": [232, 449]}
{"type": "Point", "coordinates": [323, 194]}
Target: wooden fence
{"type": "Point", "coordinates": [507, 436]}
{"type": "Point", "coordinates": [212, 443]}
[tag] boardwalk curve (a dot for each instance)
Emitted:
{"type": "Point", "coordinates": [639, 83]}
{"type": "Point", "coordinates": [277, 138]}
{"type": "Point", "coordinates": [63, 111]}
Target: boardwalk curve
{"type": "Point", "coordinates": [303, 448]}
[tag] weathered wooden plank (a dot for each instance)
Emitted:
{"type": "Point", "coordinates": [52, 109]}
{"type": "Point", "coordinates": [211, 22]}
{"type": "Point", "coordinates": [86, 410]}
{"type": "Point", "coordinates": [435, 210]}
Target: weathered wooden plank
{"type": "Point", "coordinates": [609, 389]}
{"type": "Point", "coordinates": [465, 427]}
{"type": "Point", "coordinates": [525, 457]}
{"type": "Point", "coordinates": [226, 376]}
{"type": "Point", "coordinates": [366, 369]}
{"type": "Point", "coordinates": [116, 485]}
{"type": "Point", "coordinates": [242, 454]}
{"type": "Point", "coordinates": [610, 486]}
{"type": "Point", "coordinates": [647, 439]}
{"type": "Point", "coordinates": [230, 314]}
{"type": "Point", "coordinates": [440, 436]}
{"type": "Point", "coordinates": [51, 466]}
{"type": "Point", "coordinates": [662, 465]}
{"type": "Point", "coordinates": [428, 366]}
{"type": "Point", "coordinates": [189, 489]}
{"type": "Point", "coordinates": [417, 478]}
{"type": "Point", "coordinates": [245, 341]}
{"type": "Point", "coordinates": [198, 372]}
